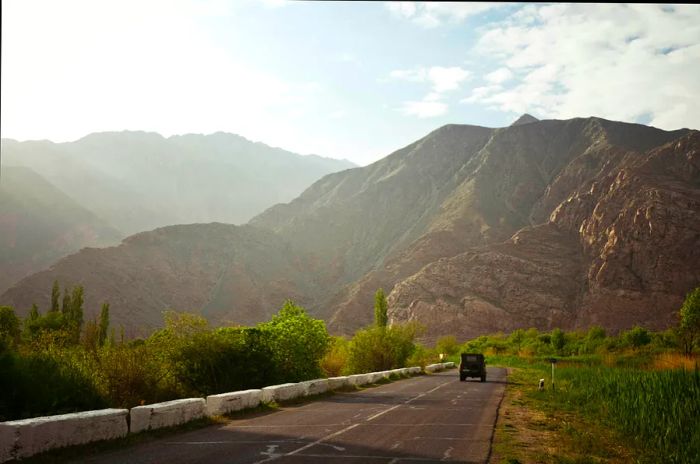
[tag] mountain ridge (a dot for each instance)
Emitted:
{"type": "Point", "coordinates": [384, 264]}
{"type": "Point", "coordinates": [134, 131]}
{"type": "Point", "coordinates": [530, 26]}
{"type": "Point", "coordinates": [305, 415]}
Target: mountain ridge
{"type": "Point", "coordinates": [464, 198]}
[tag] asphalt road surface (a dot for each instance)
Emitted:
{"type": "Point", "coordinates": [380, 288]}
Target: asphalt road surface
{"type": "Point", "coordinates": [426, 419]}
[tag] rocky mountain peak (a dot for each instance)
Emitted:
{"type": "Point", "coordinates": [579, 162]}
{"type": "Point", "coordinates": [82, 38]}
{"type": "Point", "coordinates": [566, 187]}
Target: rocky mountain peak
{"type": "Point", "coordinates": [524, 119]}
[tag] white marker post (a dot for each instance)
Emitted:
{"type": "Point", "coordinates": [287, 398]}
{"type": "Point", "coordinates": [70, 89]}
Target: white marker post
{"type": "Point", "coordinates": [553, 361]}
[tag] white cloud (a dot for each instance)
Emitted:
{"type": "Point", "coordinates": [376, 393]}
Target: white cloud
{"type": "Point", "coordinates": [445, 79]}
{"type": "Point", "coordinates": [429, 15]}
{"type": "Point", "coordinates": [424, 108]}
{"type": "Point", "coordinates": [441, 80]}
{"type": "Point", "coordinates": [499, 76]}
{"type": "Point", "coordinates": [411, 75]}
{"type": "Point", "coordinates": [622, 62]}
{"type": "Point", "coordinates": [481, 93]}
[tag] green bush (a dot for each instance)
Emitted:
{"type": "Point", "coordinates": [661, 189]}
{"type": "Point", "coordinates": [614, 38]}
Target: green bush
{"type": "Point", "coordinates": [42, 384]}
{"type": "Point", "coordinates": [447, 345]}
{"type": "Point", "coordinates": [335, 361]}
{"type": "Point", "coordinates": [636, 337]}
{"type": "Point", "coordinates": [297, 342]}
{"type": "Point", "coordinates": [227, 359]}
{"type": "Point", "coordinates": [379, 348]}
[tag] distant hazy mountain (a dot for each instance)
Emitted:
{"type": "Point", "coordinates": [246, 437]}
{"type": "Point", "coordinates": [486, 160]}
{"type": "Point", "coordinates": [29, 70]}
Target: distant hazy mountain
{"type": "Point", "coordinates": [472, 230]}
{"type": "Point", "coordinates": [40, 224]}
{"type": "Point", "coordinates": [138, 181]}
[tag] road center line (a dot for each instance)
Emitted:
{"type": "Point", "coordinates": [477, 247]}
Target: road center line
{"type": "Point", "coordinates": [405, 402]}
{"type": "Point", "coordinates": [348, 428]}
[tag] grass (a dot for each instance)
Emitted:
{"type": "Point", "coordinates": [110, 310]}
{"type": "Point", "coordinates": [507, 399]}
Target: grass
{"type": "Point", "coordinates": [531, 428]}
{"type": "Point", "coordinates": [655, 413]}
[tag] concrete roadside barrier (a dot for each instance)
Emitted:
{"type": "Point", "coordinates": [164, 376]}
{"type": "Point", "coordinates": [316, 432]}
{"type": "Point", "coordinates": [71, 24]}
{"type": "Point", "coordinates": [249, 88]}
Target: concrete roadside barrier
{"type": "Point", "coordinates": [449, 365]}
{"type": "Point", "coordinates": [23, 438]}
{"type": "Point", "coordinates": [282, 392]}
{"type": "Point", "coordinates": [225, 403]}
{"type": "Point", "coordinates": [360, 379]}
{"type": "Point", "coordinates": [335, 383]}
{"type": "Point", "coordinates": [167, 414]}
{"type": "Point", "coordinates": [430, 368]}
{"type": "Point", "coordinates": [315, 387]}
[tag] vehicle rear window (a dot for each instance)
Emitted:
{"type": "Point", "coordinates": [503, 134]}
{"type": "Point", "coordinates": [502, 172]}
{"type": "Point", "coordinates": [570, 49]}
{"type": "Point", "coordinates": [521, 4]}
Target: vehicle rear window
{"type": "Point", "coordinates": [472, 359]}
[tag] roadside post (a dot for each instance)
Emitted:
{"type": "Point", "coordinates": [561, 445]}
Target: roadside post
{"type": "Point", "coordinates": [553, 361]}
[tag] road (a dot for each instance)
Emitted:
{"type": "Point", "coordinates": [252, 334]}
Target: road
{"type": "Point", "coordinates": [432, 418]}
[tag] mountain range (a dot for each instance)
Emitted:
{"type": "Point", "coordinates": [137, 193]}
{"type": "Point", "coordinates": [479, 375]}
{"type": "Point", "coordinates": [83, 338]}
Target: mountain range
{"type": "Point", "coordinates": [129, 182]}
{"type": "Point", "coordinates": [553, 223]}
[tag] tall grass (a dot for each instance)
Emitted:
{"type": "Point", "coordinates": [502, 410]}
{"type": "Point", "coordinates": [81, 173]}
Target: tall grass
{"type": "Point", "coordinates": [658, 410]}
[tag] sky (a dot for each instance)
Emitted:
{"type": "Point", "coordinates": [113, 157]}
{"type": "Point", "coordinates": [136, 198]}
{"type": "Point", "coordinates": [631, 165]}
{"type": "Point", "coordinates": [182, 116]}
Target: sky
{"type": "Point", "coordinates": [354, 80]}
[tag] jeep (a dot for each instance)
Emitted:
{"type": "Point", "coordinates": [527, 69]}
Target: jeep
{"type": "Point", "coordinates": [472, 365]}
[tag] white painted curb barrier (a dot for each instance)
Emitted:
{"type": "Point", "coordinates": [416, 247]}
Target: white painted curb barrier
{"type": "Point", "coordinates": [315, 387]}
{"type": "Point", "coordinates": [449, 365]}
{"type": "Point", "coordinates": [23, 438]}
{"type": "Point", "coordinates": [433, 368]}
{"type": "Point", "coordinates": [167, 414]}
{"type": "Point", "coordinates": [358, 379]}
{"type": "Point", "coordinates": [225, 403]}
{"type": "Point", "coordinates": [334, 383]}
{"type": "Point", "coordinates": [283, 392]}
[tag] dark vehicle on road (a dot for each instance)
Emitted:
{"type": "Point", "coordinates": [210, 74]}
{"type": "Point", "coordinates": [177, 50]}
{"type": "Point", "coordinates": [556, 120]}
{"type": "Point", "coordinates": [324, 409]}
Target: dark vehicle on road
{"type": "Point", "coordinates": [472, 365]}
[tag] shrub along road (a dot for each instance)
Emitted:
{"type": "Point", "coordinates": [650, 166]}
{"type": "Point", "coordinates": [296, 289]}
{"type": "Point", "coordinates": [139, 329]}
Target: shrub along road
{"type": "Point", "coordinates": [432, 418]}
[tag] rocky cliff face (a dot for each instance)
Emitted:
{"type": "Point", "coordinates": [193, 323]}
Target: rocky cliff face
{"type": "Point", "coordinates": [620, 248]}
{"type": "Point", "coordinates": [544, 223]}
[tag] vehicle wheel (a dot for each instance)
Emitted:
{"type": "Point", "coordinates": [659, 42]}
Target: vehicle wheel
{"type": "Point", "coordinates": [483, 378]}
{"type": "Point", "coordinates": [462, 378]}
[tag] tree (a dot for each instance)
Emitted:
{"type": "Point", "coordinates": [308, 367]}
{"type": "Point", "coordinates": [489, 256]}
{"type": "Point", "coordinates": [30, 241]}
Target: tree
{"type": "Point", "coordinates": [104, 324]}
{"type": "Point", "coordinates": [76, 300]}
{"type": "Point", "coordinates": [447, 345]}
{"type": "Point", "coordinates": [9, 325]}
{"type": "Point", "coordinates": [637, 337]}
{"type": "Point", "coordinates": [72, 310]}
{"type": "Point", "coordinates": [34, 313]}
{"type": "Point", "coordinates": [298, 343]}
{"type": "Point", "coordinates": [65, 307]}
{"type": "Point", "coordinates": [380, 309]}
{"type": "Point", "coordinates": [381, 348]}
{"type": "Point", "coordinates": [689, 326]}
{"type": "Point", "coordinates": [558, 339]}
{"type": "Point", "coordinates": [55, 295]}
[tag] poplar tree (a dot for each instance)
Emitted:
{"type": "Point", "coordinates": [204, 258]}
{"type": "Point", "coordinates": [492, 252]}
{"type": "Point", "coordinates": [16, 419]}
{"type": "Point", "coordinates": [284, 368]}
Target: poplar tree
{"type": "Point", "coordinates": [104, 324]}
{"type": "Point", "coordinates": [380, 309]}
{"type": "Point", "coordinates": [66, 306]}
{"type": "Point", "coordinates": [75, 315]}
{"type": "Point", "coordinates": [34, 312]}
{"type": "Point", "coordinates": [55, 295]}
